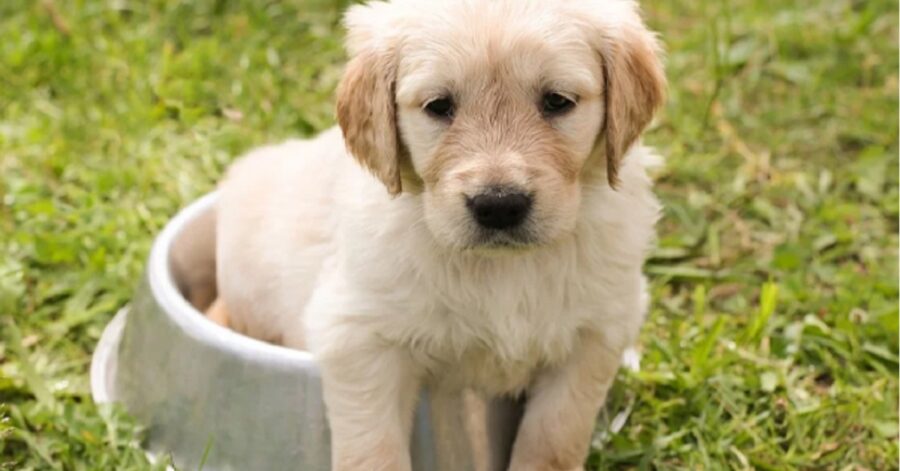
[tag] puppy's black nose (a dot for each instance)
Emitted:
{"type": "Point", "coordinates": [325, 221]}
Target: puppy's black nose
{"type": "Point", "coordinates": [499, 209]}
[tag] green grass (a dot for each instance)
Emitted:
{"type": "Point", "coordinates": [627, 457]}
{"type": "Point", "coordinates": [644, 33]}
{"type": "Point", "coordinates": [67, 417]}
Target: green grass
{"type": "Point", "coordinates": [772, 342]}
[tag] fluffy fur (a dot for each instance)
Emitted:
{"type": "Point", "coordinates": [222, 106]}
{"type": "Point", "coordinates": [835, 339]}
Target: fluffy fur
{"type": "Point", "coordinates": [358, 245]}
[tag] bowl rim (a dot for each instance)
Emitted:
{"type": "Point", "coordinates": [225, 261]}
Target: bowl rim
{"type": "Point", "coordinates": [191, 321]}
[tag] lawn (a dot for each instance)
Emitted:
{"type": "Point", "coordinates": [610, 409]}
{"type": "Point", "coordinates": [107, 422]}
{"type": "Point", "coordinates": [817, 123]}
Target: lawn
{"type": "Point", "coordinates": [772, 342]}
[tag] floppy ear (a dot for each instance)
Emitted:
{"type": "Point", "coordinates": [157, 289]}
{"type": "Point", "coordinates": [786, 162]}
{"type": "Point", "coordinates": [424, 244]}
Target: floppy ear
{"type": "Point", "coordinates": [635, 88]}
{"type": "Point", "coordinates": [366, 113]}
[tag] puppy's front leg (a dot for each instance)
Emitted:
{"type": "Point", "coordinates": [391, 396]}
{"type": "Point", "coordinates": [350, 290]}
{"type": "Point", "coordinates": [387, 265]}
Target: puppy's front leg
{"type": "Point", "coordinates": [370, 392]}
{"type": "Point", "coordinates": [562, 406]}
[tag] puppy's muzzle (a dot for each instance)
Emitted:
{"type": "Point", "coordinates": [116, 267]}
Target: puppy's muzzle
{"type": "Point", "coordinates": [500, 208]}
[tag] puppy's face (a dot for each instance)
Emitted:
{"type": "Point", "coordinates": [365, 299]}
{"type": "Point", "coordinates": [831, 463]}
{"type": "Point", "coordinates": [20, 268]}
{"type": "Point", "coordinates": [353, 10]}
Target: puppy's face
{"type": "Point", "coordinates": [499, 131]}
{"type": "Point", "coordinates": [497, 112]}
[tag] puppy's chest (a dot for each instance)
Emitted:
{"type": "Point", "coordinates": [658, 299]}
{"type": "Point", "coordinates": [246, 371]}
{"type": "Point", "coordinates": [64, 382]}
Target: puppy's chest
{"type": "Point", "coordinates": [494, 323]}
{"type": "Point", "coordinates": [497, 340]}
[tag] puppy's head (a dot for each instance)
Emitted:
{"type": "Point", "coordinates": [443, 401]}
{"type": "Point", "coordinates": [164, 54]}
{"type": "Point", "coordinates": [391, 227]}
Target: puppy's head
{"type": "Point", "coordinates": [497, 112]}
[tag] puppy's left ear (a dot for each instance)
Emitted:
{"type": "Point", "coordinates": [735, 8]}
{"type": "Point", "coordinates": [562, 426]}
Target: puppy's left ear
{"type": "Point", "coordinates": [635, 87]}
{"type": "Point", "coordinates": [366, 110]}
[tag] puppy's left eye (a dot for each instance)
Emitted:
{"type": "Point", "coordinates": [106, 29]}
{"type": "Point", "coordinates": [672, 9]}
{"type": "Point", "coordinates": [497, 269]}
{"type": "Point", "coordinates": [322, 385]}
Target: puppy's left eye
{"type": "Point", "coordinates": [555, 104]}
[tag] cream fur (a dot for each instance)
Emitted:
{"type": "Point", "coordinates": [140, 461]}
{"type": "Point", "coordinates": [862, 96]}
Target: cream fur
{"type": "Point", "coordinates": [392, 293]}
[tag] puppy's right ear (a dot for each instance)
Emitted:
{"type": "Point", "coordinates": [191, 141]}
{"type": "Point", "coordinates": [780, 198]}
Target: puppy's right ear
{"type": "Point", "coordinates": [366, 110]}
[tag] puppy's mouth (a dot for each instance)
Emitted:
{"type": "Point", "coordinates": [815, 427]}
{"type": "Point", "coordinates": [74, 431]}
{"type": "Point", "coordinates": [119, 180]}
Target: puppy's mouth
{"type": "Point", "coordinates": [492, 240]}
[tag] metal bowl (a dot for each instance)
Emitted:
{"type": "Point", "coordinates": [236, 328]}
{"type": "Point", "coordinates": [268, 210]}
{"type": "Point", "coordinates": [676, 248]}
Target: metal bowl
{"type": "Point", "coordinates": [210, 396]}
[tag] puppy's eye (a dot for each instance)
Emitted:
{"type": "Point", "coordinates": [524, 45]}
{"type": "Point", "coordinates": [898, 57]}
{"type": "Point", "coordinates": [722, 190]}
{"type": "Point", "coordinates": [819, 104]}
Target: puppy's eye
{"type": "Point", "coordinates": [555, 104]}
{"type": "Point", "coordinates": [442, 108]}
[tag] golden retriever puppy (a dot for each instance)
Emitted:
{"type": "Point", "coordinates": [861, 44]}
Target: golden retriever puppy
{"type": "Point", "coordinates": [479, 220]}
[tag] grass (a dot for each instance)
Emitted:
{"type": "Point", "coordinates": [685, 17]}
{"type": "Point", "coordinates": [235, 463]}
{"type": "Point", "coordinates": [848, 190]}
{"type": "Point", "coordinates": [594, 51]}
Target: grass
{"type": "Point", "coordinates": [772, 342]}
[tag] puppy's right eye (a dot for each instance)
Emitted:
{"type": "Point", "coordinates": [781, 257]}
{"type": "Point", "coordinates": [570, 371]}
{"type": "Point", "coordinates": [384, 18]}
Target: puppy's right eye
{"type": "Point", "coordinates": [441, 108]}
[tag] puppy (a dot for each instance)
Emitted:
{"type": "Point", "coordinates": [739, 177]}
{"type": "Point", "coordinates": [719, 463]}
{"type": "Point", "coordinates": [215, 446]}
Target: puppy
{"type": "Point", "coordinates": [478, 220]}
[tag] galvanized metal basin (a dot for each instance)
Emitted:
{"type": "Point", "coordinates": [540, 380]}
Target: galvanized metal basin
{"type": "Point", "coordinates": [209, 395]}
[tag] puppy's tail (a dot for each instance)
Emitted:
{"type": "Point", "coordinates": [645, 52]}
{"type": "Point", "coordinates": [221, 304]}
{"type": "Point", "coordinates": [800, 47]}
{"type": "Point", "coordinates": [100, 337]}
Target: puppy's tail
{"type": "Point", "coordinates": [218, 313]}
